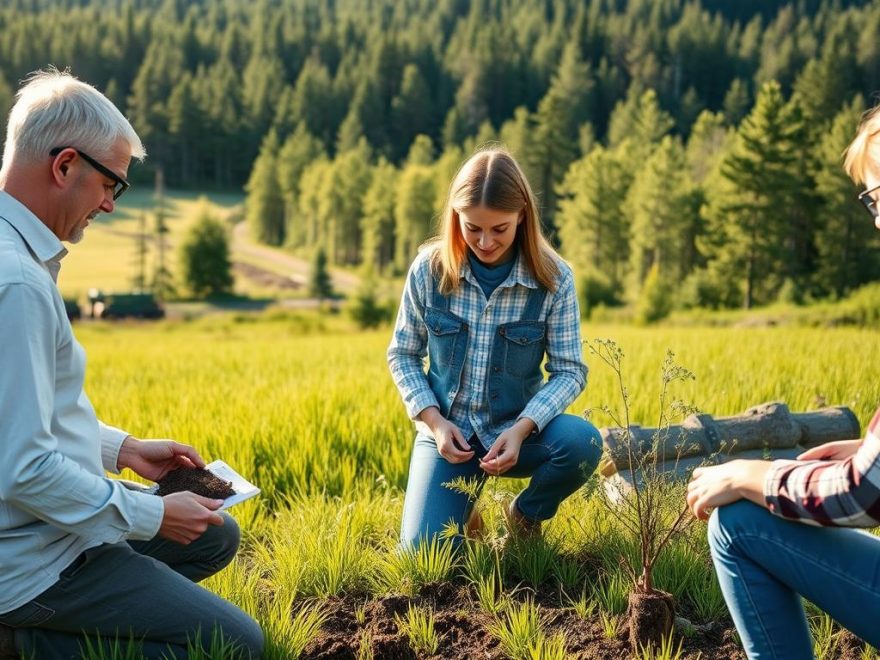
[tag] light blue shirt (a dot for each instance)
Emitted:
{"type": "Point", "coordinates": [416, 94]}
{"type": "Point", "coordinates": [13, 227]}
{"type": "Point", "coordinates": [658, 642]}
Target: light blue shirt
{"type": "Point", "coordinates": [55, 497]}
{"type": "Point", "coordinates": [566, 371]}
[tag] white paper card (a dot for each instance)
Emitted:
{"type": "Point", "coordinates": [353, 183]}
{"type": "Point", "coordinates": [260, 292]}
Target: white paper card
{"type": "Point", "coordinates": [244, 489]}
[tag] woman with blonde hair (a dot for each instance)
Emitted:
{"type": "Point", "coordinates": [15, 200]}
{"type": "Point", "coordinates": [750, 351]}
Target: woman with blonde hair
{"type": "Point", "coordinates": [776, 529]}
{"type": "Point", "coordinates": [486, 301]}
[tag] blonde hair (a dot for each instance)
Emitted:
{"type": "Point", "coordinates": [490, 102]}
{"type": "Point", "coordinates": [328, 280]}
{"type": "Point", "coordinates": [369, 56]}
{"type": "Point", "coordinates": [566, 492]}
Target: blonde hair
{"type": "Point", "coordinates": [863, 153]}
{"type": "Point", "coordinates": [493, 179]}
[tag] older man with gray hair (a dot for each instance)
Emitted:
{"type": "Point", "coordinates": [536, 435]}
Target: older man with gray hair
{"type": "Point", "coordinates": [84, 559]}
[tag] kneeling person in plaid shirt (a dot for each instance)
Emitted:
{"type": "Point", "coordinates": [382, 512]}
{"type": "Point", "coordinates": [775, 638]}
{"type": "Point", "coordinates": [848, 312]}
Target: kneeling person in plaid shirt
{"type": "Point", "coordinates": [779, 530]}
{"type": "Point", "coordinates": [486, 301]}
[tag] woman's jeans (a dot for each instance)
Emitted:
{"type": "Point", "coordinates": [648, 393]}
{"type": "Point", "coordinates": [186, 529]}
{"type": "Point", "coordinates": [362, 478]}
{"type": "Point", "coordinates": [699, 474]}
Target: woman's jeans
{"type": "Point", "coordinates": [140, 590]}
{"type": "Point", "coordinates": [559, 460]}
{"type": "Point", "coordinates": [766, 563]}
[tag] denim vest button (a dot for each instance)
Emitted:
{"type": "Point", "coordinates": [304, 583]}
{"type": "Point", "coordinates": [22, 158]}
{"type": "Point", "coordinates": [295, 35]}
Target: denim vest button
{"type": "Point", "coordinates": [496, 370]}
{"type": "Point", "coordinates": [501, 331]}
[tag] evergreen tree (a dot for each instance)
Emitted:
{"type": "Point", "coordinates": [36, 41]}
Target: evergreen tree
{"type": "Point", "coordinates": [421, 151]}
{"type": "Point", "coordinates": [162, 285]}
{"type": "Point", "coordinates": [414, 212]}
{"type": "Point", "coordinates": [736, 101]}
{"type": "Point", "coordinates": [636, 127]}
{"type": "Point", "coordinates": [377, 224]}
{"type": "Point", "coordinates": [824, 84]}
{"type": "Point", "coordinates": [412, 111]}
{"type": "Point", "coordinates": [445, 169]}
{"type": "Point", "coordinates": [351, 131]}
{"type": "Point", "coordinates": [159, 72]}
{"type": "Point", "coordinates": [299, 150]}
{"type": "Point", "coordinates": [368, 114]}
{"type": "Point", "coordinates": [518, 135]}
{"type": "Point", "coordinates": [315, 102]}
{"type": "Point", "coordinates": [225, 151]}
{"type": "Point", "coordinates": [139, 281]}
{"type": "Point", "coordinates": [341, 204]}
{"type": "Point", "coordinates": [264, 205]}
{"type": "Point", "coordinates": [655, 299]}
{"type": "Point", "coordinates": [748, 213]}
{"type": "Point", "coordinates": [320, 284]}
{"type": "Point", "coordinates": [663, 220]}
{"type": "Point", "coordinates": [593, 227]}
{"type": "Point", "coordinates": [204, 256]}
{"type": "Point", "coordinates": [184, 126]}
{"type": "Point", "coordinates": [706, 146]}
{"type": "Point", "coordinates": [560, 114]}
{"type": "Point", "coordinates": [310, 216]}
{"type": "Point", "coordinates": [261, 91]}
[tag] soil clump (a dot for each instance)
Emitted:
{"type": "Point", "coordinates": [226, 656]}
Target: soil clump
{"type": "Point", "coordinates": [196, 480]}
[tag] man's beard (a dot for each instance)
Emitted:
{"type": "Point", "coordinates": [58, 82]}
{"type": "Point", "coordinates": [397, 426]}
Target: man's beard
{"type": "Point", "coordinates": [77, 234]}
{"type": "Point", "coordinates": [79, 231]}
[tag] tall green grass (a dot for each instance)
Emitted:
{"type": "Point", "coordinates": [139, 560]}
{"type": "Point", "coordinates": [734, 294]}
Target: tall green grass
{"type": "Point", "coordinates": [305, 407]}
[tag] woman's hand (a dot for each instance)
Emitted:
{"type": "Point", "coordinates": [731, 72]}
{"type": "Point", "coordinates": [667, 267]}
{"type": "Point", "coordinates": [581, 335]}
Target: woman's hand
{"type": "Point", "coordinates": [717, 485]}
{"type": "Point", "coordinates": [504, 453]}
{"type": "Point", "coordinates": [831, 451]}
{"type": "Point", "coordinates": [450, 442]}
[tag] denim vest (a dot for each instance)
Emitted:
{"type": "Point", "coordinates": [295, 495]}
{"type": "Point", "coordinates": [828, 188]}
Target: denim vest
{"type": "Point", "coordinates": [514, 360]}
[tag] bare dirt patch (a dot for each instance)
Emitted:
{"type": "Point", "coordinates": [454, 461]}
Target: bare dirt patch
{"type": "Point", "coordinates": [463, 629]}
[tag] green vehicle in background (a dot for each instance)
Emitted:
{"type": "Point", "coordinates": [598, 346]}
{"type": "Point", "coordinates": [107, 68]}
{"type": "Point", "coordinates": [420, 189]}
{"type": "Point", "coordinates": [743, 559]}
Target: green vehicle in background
{"type": "Point", "coordinates": [135, 304]}
{"type": "Point", "coordinates": [71, 306]}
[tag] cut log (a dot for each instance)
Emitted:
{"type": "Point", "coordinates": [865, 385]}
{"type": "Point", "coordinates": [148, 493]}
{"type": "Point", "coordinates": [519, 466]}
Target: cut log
{"type": "Point", "coordinates": [768, 427]}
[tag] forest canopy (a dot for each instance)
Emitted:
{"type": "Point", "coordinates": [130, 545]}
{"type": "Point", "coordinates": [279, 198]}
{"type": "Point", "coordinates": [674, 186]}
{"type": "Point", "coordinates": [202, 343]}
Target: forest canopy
{"type": "Point", "coordinates": [690, 146]}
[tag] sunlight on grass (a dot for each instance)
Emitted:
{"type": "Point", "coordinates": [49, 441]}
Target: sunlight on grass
{"type": "Point", "coordinates": [304, 407]}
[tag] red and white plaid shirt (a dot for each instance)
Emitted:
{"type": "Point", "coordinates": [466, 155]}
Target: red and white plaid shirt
{"type": "Point", "coordinates": [843, 493]}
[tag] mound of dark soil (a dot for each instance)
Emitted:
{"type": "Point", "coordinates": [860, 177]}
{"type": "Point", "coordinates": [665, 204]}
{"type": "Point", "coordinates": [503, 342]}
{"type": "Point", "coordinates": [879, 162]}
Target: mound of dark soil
{"type": "Point", "coordinates": [196, 480]}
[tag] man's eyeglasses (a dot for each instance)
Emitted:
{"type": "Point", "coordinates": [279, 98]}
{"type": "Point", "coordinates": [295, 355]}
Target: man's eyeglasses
{"type": "Point", "coordinates": [120, 185]}
{"type": "Point", "coordinates": [869, 202]}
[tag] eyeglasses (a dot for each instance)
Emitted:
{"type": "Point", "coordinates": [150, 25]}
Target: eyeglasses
{"type": "Point", "coordinates": [869, 202]}
{"type": "Point", "coordinates": [120, 185]}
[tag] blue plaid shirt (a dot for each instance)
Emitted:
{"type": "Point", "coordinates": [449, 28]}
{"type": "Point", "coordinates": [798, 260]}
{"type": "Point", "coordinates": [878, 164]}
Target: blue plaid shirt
{"type": "Point", "coordinates": [567, 374]}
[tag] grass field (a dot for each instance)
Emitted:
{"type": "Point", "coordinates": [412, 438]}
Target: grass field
{"type": "Point", "coordinates": [304, 405]}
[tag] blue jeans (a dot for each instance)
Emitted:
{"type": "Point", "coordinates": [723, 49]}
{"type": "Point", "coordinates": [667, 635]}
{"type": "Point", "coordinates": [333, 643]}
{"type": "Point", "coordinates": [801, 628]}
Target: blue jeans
{"type": "Point", "coordinates": [765, 564]}
{"type": "Point", "coordinates": [141, 590]}
{"type": "Point", "coordinates": [559, 460]}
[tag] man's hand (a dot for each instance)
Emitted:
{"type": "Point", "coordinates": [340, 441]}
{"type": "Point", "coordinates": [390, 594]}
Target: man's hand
{"type": "Point", "coordinates": [831, 451]}
{"type": "Point", "coordinates": [504, 453]}
{"type": "Point", "coordinates": [450, 442]}
{"type": "Point", "coordinates": [153, 459]}
{"type": "Point", "coordinates": [187, 516]}
{"type": "Point", "coordinates": [717, 485]}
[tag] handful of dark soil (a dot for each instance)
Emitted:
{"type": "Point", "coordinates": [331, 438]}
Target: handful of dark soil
{"type": "Point", "coordinates": [196, 480]}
